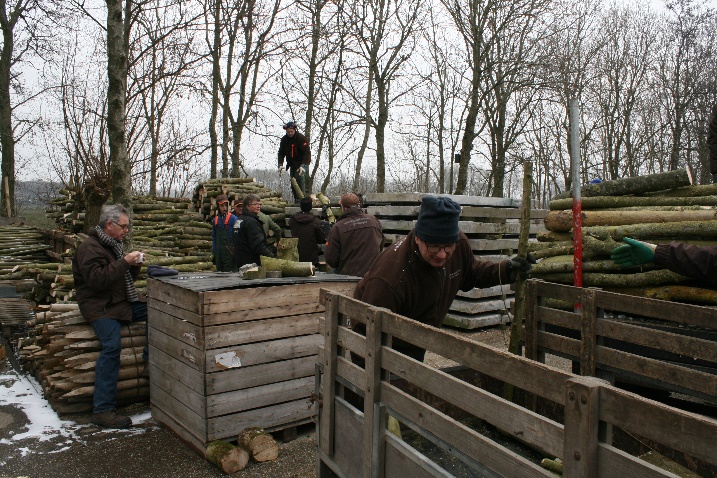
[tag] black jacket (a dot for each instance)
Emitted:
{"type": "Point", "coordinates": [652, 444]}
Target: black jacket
{"type": "Point", "coordinates": [249, 240]}
{"type": "Point", "coordinates": [308, 230]}
{"type": "Point", "coordinates": [695, 262]}
{"type": "Point", "coordinates": [295, 149]}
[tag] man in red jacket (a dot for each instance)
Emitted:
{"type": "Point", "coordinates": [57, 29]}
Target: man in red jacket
{"type": "Point", "coordinates": [104, 280]}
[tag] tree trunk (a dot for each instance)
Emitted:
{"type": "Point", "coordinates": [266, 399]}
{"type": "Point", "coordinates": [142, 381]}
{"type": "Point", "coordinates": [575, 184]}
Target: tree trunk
{"type": "Point", "coordinates": [562, 221]}
{"type": "Point", "coordinates": [7, 138]}
{"type": "Point", "coordinates": [259, 443]}
{"type": "Point", "coordinates": [670, 230]}
{"type": "Point", "coordinates": [597, 279]}
{"type": "Point", "coordinates": [288, 268]}
{"type": "Point", "coordinates": [288, 249]}
{"type": "Point", "coordinates": [610, 202]}
{"type": "Point", "coordinates": [216, 73]}
{"type": "Point", "coordinates": [117, 31]}
{"type": "Point", "coordinates": [634, 185]}
{"type": "Point", "coordinates": [227, 456]}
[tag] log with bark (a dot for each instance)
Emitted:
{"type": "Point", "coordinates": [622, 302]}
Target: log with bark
{"type": "Point", "coordinates": [562, 221]}
{"type": "Point", "coordinates": [670, 230]}
{"type": "Point", "coordinates": [288, 249]}
{"type": "Point", "coordinates": [597, 279]}
{"type": "Point", "coordinates": [611, 202]}
{"type": "Point", "coordinates": [288, 268]}
{"type": "Point", "coordinates": [226, 456]}
{"type": "Point", "coordinates": [261, 446]}
{"type": "Point", "coordinates": [634, 185]}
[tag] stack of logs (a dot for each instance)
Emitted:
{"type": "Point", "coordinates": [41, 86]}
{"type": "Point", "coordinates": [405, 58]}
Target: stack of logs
{"type": "Point", "coordinates": [252, 443]}
{"type": "Point", "coordinates": [21, 248]}
{"type": "Point", "coordinates": [658, 208]}
{"type": "Point", "coordinates": [62, 355]}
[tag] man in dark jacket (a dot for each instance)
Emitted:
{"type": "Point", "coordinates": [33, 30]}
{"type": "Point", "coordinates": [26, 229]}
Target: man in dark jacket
{"type": "Point", "coordinates": [295, 148]}
{"type": "Point", "coordinates": [104, 280]}
{"type": "Point", "coordinates": [420, 275]}
{"type": "Point", "coordinates": [712, 143]}
{"type": "Point", "coordinates": [308, 230]}
{"type": "Point", "coordinates": [223, 236]}
{"type": "Point", "coordinates": [250, 240]}
{"type": "Point", "coordinates": [695, 262]}
{"type": "Point", "coordinates": [355, 240]}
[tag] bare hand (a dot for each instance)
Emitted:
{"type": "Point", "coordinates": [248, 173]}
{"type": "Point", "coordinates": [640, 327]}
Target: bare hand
{"type": "Point", "coordinates": [134, 258]}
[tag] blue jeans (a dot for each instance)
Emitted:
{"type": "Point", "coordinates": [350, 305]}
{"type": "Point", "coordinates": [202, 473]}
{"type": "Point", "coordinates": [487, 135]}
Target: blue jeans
{"type": "Point", "coordinates": [108, 363]}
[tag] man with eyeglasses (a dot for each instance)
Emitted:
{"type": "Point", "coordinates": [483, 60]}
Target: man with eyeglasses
{"type": "Point", "coordinates": [104, 280]}
{"type": "Point", "coordinates": [249, 238]}
{"type": "Point", "coordinates": [420, 275]}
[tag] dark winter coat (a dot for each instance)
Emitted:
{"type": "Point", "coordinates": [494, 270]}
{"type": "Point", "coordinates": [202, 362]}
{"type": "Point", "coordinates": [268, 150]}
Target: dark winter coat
{"type": "Point", "coordinates": [295, 149]}
{"type": "Point", "coordinates": [712, 140]}
{"type": "Point", "coordinates": [695, 262]}
{"type": "Point", "coordinates": [250, 240]}
{"type": "Point", "coordinates": [223, 242]}
{"type": "Point", "coordinates": [308, 230]}
{"type": "Point", "coordinates": [403, 282]}
{"type": "Point", "coordinates": [354, 242]}
{"type": "Point", "coordinates": [100, 281]}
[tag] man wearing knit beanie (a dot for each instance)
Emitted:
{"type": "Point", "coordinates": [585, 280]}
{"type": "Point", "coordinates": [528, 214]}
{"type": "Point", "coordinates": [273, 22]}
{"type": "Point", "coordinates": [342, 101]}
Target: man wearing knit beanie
{"type": "Point", "coordinates": [420, 275]}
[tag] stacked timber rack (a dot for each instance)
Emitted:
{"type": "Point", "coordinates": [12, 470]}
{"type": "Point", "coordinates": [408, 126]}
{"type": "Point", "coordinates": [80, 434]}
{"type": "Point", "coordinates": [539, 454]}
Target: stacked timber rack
{"type": "Point", "coordinates": [493, 228]}
{"type": "Point", "coordinates": [226, 354]}
{"type": "Point", "coordinates": [659, 208]}
{"type": "Point", "coordinates": [461, 422]}
{"type": "Point", "coordinates": [62, 353]}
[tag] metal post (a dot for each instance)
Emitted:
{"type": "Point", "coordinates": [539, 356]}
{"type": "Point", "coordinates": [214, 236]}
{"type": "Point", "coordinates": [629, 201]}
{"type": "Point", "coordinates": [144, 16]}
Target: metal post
{"type": "Point", "coordinates": [577, 200]}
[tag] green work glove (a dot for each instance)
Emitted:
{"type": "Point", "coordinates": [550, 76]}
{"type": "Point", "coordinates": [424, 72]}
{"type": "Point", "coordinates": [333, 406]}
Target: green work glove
{"type": "Point", "coordinates": [634, 253]}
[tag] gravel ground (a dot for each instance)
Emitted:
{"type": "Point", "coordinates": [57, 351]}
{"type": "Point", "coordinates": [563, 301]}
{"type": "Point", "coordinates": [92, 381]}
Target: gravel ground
{"type": "Point", "coordinates": [147, 450]}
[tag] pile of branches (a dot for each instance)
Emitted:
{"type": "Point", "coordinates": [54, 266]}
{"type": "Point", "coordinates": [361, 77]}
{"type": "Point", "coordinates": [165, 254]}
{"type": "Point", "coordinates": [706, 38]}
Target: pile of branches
{"type": "Point", "coordinates": [659, 208]}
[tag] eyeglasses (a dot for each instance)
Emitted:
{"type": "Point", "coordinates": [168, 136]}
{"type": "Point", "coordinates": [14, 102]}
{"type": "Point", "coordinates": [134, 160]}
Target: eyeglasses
{"type": "Point", "coordinates": [435, 248]}
{"type": "Point", "coordinates": [255, 204]}
{"type": "Point", "coordinates": [125, 227]}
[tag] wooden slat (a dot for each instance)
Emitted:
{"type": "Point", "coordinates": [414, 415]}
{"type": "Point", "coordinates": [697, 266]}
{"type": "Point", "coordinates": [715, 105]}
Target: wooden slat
{"type": "Point", "coordinates": [372, 434]}
{"type": "Point", "coordinates": [175, 311]}
{"type": "Point", "coordinates": [327, 423]}
{"type": "Point", "coordinates": [580, 448]}
{"type": "Point", "coordinates": [179, 329]}
{"type": "Point", "coordinates": [348, 438]}
{"type": "Point", "coordinates": [693, 434]}
{"type": "Point", "coordinates": [229, 426]}
{"type": "Point", "coordinates": [548, 342]}
{"type": "Point", "coordinates": [402, 460]}
{"type": "Point", "coordinates": [614, 462]}
{"type": "Point", "coordinates": [177, 351]}
{"type": "Point", "coordinates": [177, 390]}
{"type": "Point", "coordinates": [230, 317]}
{"type": "Point", "coordinates": [519, 422]}
{"type": "Point", "coordinates": [197, 443]}
{"type": "Point", "coordinates": [562, 318]}
{"type": "Point", "coordinates": [658, 309]}
{"type": "Point", "coordinates": [530, 331]}
{"type": "Point", "coordinates": [471, 443]}
{"type": "Point", "coordinates": [558, 291]}
{"type": "Point", "coordinates": [246, 377]}
{"type": "Point", "coordinates": [352, 341]}
{"type": "Point", "coordinates": [662, 371]}
{"type": "Point", "coordinates": [350, 372]}
{"type": "Point", "coordinates": [172, 294]}
{"type": "Point", "coordinates": [262, 352]}
{"type": "Point", "coordinates": [587, 333]}
{"type": "Point", "coordinates": [189, 419]}
{"type": "Point", "coordinates": [415, 198]}
{"type": "Point", "coordinates": [258, 397]}
{"type": "Point", "coordinates": [260, 330]}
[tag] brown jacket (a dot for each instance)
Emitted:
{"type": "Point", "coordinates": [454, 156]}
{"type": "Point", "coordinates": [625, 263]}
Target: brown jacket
{"type": "Point", "coordinates": [695, 262]}
{"type": "Point", "coordinates": [401, 281]}
{"type": "Point", "coordinates": [354, 242]}
{"type": "Point", "coordinates": [100, 281]}
{"type": "Point", "coordinates": [307, 229]}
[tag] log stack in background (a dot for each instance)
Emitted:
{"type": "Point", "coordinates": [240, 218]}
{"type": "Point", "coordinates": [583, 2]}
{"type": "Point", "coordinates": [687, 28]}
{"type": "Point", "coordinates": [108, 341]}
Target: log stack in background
{"type": "Point", "coordinates": [492, 226]}
{"type": "Point", "coordinates": [644, 210]}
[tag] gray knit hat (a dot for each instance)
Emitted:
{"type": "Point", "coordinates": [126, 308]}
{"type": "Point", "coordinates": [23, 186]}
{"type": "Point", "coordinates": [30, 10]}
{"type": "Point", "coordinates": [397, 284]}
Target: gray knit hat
{"type": "Point", "coordinates": [438, 220]}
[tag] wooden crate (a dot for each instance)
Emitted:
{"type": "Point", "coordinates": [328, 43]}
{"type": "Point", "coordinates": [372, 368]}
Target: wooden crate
{"type": "Point", "coordinates": [226, 353]}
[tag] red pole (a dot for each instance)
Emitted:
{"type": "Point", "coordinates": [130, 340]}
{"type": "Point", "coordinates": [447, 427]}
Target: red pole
{"type": "Point", "coordinates": [574, 107]}
{"type": "Point", "coordinates": [578, 242]}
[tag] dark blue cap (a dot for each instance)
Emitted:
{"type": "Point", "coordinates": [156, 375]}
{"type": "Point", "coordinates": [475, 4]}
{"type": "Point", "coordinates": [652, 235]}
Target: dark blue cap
{"type": "Point", "coordinates": [438, 220]}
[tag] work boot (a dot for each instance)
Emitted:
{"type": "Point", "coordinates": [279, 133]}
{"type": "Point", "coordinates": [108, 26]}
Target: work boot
{"type": "Point", "coordinates": [111, 419]}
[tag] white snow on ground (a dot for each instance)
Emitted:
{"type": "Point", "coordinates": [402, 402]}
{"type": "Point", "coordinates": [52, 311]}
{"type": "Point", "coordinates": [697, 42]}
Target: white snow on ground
{"type": "Point", "coordinates": [24, 393]}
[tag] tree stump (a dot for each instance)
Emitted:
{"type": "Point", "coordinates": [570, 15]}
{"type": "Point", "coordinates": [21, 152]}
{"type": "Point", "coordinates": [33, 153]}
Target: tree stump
{"type": "Point", "coordinates": [227, 456]}
{"type": "Point", "coordinates": [288, 268]}
{"type": "Point", "coordinates": [260, 444]}
{"type": "Point", "coordinates": [288, 249]}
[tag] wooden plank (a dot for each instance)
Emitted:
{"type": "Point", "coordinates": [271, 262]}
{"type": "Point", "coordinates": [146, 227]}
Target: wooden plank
{"type": "Point", "coordinates": [659, 309]}
{"type": "Point", "coordinates": [582, 419]}
{"type": "Point", "coordinates": [177, 390]}
{"type": "Point", "coordinates": [469, 442]}
{"type": "Point", "coordinates": [467, 227]}
{"type": "Point", "coordinates": [695, 435]}
{"type": "Point", "coordinates": [177, 368]}
{"type": "Point", "coordinates": [402, 460]}
{"type": "Point", "coordinates": [189, 419]}
{"type": "Point", "coordinates": [467, 212]}
{"type": "Point", "coordinates": [262, 352]}
{"type": "Point", "coordinates": [351, 341]}
{"type": "Point", "coordinates": [520, 423]}
{"type": "Point", "coordinates": [351, 373]}
{"type": "Point", "coordinates": [519, 371]}
{"type": "Point", "coordinates": [478, 293]}
{"type": "Point", "coordinates": [658, 370]}
{"type": "Point", "coordinates": [562, 318]}
{"type": "Point", "coordinates": [372, 435]}
{"type": "Point", "coordinates": [174, 311]}
{"type": "Point", "coordinates": [530, 335]}
{"type": "Point", "coordinates": [231, 317]}
{"type": "Point", "coordinates": [327, 421]}
{"type": "Point", "coordinates": [548, 342]}
{"type": "Point", "coordinates": [198, 444]}
{"type": "Point", "coordinates": [558, 291]}
{"type": "Point", "coordinates": [172, 294]}
{"type": "Point", "coordinates": [493, 244]}
{"type": "Point", "coordinates": [658, 339]}
{"type": "Point", "coordinates": [181, 330]}
{"type": "Point", "coordinates": [587, 333]}
{"type": "Point", "coordinates": [229, 426]}
{"type": "Point", "coordinates": [614, 462]}
{"type": "Point", "coordinates": [258, 397]}
{"type": "Point", "coordinates": [415, 198]}
{"type": "Point", "coordinates": [177, 350]}
{"type": "Point", "coordinates": [260, 330]}
{"type": "Point", "coordinates": [348, 436]}
{"type": "Point", "coordinates": [247, 377]}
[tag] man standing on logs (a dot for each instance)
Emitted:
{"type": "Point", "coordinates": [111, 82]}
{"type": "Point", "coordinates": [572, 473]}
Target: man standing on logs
{"type": "Point", "coordinates": [355, 240]}
{"type": "Point", "coordinates": [104, 280]}
{"type": "Point", "coordinates": [222, 236]}
{"type": "Point", "coordinates": [249, 237]}
{"type": "Point", "coordinates": [420, 275]}
{"type": "Point", "coordinates": [308, 230]}
{"type": "Point", "coordinates": [295, 148]}
{"type": "Point", "coordinates": [695, 262]}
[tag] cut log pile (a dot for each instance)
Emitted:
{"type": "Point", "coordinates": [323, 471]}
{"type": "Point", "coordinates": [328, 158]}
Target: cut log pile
{"type": "Point", "coordinates": [252, 443]}
{"type": "Point", "coordinates": [62, 354]}
{"type": "Point", "coordinates": [659, 208]}
{"type": "Point", "coordinates": [492, 226]}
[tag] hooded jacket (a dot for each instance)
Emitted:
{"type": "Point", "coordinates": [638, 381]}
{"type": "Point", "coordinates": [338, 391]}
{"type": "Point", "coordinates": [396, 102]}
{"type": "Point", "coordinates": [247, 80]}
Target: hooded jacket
{"type": "Point", "coordinates": [295, 149]}
{"type": "Point", "coordinates": [354, 242]}
{"type": "Point", "coordinates": [249, 240]}
{"type": "Point", "coordinates": [100, 281]}
{"type": "Point", "coordinates": [307, 228]}
{"type": "Point", "coordinates": [695, 262]}
{"type": "Point", "coordinates": [403, 282]}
